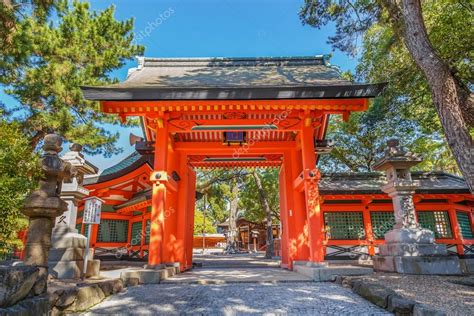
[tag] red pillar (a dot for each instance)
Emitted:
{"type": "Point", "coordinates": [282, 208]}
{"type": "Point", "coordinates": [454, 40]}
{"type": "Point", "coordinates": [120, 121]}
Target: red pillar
{"type": "Point", "coordinates": [155, 254]}
{"type": "Point", "coordinates": [369, 234]}
{"type": "Point", "coordinates": [143, 233]}
{"type": "Point", "coordinates": [455, 229]}
{"type": "Point", "coordinates": [170, 232]}
{"type": "Point", "coordinates": [284, 242]}
{"type": "Point", "coordinates": [191, 199]}
{"type": "Point", "coordinates": [311, 177]}
{"type": "Point", "coordinates": [182, 217]}
{"type": "Point", "coordinates": [297, 215]}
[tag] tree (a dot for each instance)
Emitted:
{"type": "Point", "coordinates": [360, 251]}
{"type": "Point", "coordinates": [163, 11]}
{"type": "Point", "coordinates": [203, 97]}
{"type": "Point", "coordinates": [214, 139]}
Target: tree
{"type": "Point", "coordinates": [232, 193]}
{"type": "Point", "coordinates": [50, 58]}
{"type": "Point", "coordinates": [260, 201]}
{"type": "Point", "coordinates": [201, 225]}
{"type": "Point", "coordinates": [11, 12]}
{"type": "Point", "coordinates": [250, 199]}
{"type": "Point", "coordinates": [216, 184]}
{"type": "Point", "coordinates": [268, 214]}
{"type": "Point", "coordinates": [445, 72]}
{"type": "Point", "coordinates": [19, 171]}
{"type": "Point", "coordinates": [361, 140]}
{"type": "Point", "coordinates": [232, 233]}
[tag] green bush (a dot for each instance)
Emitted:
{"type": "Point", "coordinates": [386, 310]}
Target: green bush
{"type": "Point", "coordinates": [19, 170]}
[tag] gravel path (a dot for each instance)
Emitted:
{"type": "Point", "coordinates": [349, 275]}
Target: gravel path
{"type": "Point", "coordinates": [442, 292]}
{"type": "Point", "coordinates": [236, 299]}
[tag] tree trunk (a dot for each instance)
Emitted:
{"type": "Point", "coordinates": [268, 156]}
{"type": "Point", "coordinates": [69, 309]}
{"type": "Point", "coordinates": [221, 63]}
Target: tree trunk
{"type": "Point", "coordinates": [35, 139]}
{"type": "Point", "coordinates": [453, 102]}
{"type": "Point", "coordinates": [268, 213]}
{"type": "Point", "coordinates": [231, 239]}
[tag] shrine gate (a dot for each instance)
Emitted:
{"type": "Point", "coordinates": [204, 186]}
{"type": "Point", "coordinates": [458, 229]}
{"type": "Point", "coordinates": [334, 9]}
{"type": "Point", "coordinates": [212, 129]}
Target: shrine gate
{"type": "Point", "coordinates": [234, 112]}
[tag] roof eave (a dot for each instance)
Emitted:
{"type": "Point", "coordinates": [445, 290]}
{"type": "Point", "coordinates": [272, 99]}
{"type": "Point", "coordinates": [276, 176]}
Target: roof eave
{"type": "Point", "coordinates": [233, 93]}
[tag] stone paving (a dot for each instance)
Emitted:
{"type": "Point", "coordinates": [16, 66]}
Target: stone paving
{"type": "Point", "coordinates": [237, 275]}
{"type": "Point", "coordinates": [306, 298]}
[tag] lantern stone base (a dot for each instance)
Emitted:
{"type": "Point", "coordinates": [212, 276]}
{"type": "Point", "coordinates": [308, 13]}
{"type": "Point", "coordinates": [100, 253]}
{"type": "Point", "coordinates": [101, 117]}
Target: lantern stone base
{"type": "Point", "coordinates": [441, 265]}
{"type": "Point", "coordinates": [66, 257]}
{"type": "Point", "coordinates": [414, 251]}
{"type": "Point", "coordinates": [323, 272]}
{"type": "Point", "coordinates": [73, 269]}
{"type": "Point", "coordinates": [410, 236]}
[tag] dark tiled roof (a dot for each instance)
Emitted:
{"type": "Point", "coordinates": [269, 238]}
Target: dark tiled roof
{"type": "Point", "coordinates": [232, 78]}
{"type": "Point", "coordinates": [371, 182]}
{"type": "Point", "coordinates": [130, 163]}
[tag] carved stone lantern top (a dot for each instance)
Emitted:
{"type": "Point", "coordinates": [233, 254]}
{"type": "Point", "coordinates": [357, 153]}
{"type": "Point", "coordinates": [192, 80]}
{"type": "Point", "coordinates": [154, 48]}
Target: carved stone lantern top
{"type": "Point", "coordinates": [45, 201]}
{"type": "Point", "coordinates": [397, 162]}
{"type": "Point", "coordinates": [80, 166]}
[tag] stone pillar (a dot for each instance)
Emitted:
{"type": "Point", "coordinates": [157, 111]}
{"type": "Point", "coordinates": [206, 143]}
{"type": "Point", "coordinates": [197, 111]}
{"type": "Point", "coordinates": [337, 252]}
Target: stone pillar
{"type": "Point", "coordinates": [42, 206]}
{"type": "Point", "coordinates": [68, 247]}
{"type": "Point", "coordinates": [408, 248]}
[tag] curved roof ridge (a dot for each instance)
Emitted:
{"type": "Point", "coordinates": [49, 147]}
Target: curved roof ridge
{"type": "Point", "coordinates": [124, 166]}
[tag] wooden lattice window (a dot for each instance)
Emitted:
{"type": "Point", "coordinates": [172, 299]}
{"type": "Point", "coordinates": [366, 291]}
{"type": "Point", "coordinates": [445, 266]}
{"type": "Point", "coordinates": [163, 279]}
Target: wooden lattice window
{"type": "Point", "coordinates": [147, 232]}
{"type": "Point", "coordinates": [111, 230]}
{"type": "Point", "coordinates": [136, 234]}
{"type": "Point", "coordinates": [382, 222]}
{"type": "Point", "coordinates": [437, 221]}
{"type": "Point", "coordinates": [464, 225]}
{"type": "Point", "coordinates": [344, 225]}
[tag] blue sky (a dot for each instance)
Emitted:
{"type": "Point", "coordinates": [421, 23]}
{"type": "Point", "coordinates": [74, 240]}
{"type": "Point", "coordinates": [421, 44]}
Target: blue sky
{"type": "Point", "coordinates": [212, 28]}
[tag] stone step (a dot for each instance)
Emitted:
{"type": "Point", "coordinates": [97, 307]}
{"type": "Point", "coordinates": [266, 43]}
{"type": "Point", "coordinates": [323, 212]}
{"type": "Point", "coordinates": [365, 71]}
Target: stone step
{"type": "Point", "coordinates": [149, 276]}
{"type": "Point", "coordinates": [328, 273]}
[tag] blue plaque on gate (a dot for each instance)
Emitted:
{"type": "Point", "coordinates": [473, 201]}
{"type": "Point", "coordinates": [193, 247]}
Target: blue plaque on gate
{"type": "Point", "coordinates": [234, 137]}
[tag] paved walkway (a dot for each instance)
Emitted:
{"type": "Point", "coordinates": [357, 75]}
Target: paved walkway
{"type": "Point", "coordinates": [236, 299]}
{"type": "Point", "coordinates": [235, 285]}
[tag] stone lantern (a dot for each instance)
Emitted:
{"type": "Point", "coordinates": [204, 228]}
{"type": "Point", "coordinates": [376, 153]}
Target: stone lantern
{"type": "Point", "coordinates": [68, 246]}
{"type": "Point", "coordinates": [408, 248]}
{"type": "Point", "coordinates": [43, 206]}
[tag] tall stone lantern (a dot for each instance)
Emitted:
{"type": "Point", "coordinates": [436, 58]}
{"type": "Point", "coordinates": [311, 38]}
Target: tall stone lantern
{"type": "Point", "coordinates": [43, 206]}
{"type": "Point", "coordinates": [408, 248]}
{"type": "Point", "coordinates": [68, 246]}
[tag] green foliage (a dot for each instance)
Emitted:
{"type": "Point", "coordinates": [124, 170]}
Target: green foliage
{"type": "Point", "coordinates": [249, 199]}
{"type": "Point", "coordinates": [199, 224]}
{"type": "Point", "coordinates": [48, 61]}
{"type": "Point", "coordinates": [363, 29]}
{"type": "Point", "coordinates": [217, 184]}
{"type": "Point", "coordinates": [384, 58]}
{"type": "Point", "coordinates": [360, 142]}
{"type": "Point", "coordinates": [11, 13]}
{"type": "Point", "coordinates": [19, 170]}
